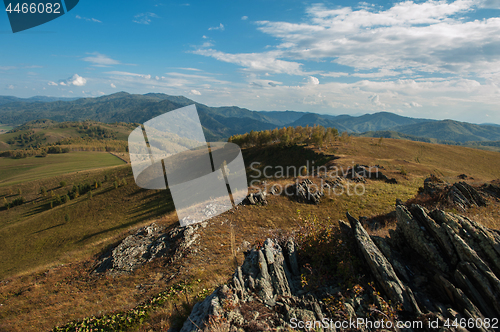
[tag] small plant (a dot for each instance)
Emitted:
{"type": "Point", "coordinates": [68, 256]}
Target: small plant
{"type": "Point", "coordinates": [65, 199]}
{"type": "Point", "coordinates": [403, 171]}
{"type": "Point", "coordinates": [62, 183]}
{"type": "Point", "coordinates": [43, 191]}
{"type": "Point", "coordinates": [19, 191]}
{"type": "Point", "coordinates": [66, 218]}
{"type": "Point", "coordinates": [115, 184]}
{"type": "Point", "coordinates": [89, 195]}
{"type": "Point", "coordinates": [106, 178]}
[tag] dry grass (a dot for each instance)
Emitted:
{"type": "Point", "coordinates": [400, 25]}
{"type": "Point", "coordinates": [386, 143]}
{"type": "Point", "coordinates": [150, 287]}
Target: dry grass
{"type": "Point", "coordinates": [43, 297]}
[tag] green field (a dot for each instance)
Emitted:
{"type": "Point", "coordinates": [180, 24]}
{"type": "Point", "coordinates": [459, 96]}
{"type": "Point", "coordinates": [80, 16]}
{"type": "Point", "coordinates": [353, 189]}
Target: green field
{"type": "Point", "coordinates": [14, 171]}
{"type": "Point", "coordinates": [4, 128]}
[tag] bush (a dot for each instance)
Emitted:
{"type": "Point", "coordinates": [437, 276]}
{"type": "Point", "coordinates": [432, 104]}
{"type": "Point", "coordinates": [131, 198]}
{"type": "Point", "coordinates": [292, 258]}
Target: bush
{"type": "Point", "coordinates": [65, 199]}
{"type": "Point", "coordinates": [43, 191]}
{"type": "Point", "coordinates": [115, 184]}
{"type": "Point", "coordinates": [62, 183]}
{"type": "Point", "coordinates": [403, 171]}
{"type": "Point", "coordinates": [66, 218]}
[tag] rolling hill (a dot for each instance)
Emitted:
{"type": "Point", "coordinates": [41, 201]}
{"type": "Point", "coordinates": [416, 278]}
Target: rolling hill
{"type": "Point", "coordinates": [221, 122]}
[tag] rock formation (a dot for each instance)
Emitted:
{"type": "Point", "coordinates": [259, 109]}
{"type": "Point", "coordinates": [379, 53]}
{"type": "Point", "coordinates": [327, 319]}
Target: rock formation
{"type": "Point", "coordinates": [255, 199]}
{"type": "Point", "coordinates": [305, 192]}
{"type": "Point", "coordinates": [146, 244]}
{"type": "Point", "coordinates": [435, 266]}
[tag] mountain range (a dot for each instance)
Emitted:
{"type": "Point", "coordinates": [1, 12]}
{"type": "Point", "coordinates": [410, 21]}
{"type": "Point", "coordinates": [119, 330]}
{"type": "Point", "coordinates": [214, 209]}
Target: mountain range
{"type": "Point", "coordinates": [222, 122]}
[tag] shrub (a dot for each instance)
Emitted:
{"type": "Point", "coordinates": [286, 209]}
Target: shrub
{"type": "Point", "coordinates": [106, 178]}
{"type": "Point", "coordinates": [403, 171]}
{"type": "Point", "coordinates": [62, 183]}
{"type": "Point", "coordinates": [66, 218]}
{"type": "Point", "coordinates": [43, 191]}
{"type": "Point", "coordinates": [115, 184]}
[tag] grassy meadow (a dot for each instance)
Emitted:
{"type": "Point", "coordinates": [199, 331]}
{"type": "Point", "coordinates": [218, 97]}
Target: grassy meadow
{"type": "Point", "coordinates": [15, 171]}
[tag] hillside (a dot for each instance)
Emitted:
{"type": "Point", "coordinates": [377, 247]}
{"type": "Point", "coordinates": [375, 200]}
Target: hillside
{"type": "Point", "coordinates": [47, 257]}
{"type": "Point", "coordinates": [449, 130]}
{"type": "Point", "coordinates": [42, 133]}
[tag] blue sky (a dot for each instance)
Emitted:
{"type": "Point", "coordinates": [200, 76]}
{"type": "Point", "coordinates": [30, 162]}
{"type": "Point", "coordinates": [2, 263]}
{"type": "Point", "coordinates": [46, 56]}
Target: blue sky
{"type": "Point", "coordinates": [432, 59]}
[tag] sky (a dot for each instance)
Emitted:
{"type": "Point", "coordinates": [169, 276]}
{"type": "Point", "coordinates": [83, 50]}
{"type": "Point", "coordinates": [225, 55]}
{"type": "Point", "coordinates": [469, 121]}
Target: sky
{"type": "Point", "coordinates": [428, 59]}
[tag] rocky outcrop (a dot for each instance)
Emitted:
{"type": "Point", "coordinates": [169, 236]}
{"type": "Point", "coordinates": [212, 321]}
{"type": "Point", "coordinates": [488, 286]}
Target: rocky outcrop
{"type": "Point", "coordinates": [369, 172]}
{"type": "Point", "coordinates": [434, 266]}
{"type": "Point", "coordinates": [264, 292]}
{"type": "Point", "coordinates": [305, 192]}
{"type": "Point", "coordinates": [452, 260]}
{"type": "Point", "coordinates": [146, 244]}
{"type": "Point", "coordinates": [255, 199]}
{"type": "Point", "coordinates": [465, 196]}
{"type": "Point", "coordinates": [461, 194]}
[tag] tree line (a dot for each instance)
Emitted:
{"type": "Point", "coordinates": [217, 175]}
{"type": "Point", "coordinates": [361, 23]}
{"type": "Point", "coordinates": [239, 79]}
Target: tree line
{"type": "Point", "coordinates": [317, 135]}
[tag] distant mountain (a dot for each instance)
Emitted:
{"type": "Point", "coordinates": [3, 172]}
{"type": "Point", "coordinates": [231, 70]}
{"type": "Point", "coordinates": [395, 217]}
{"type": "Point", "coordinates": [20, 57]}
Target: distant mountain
{"type": "Point", "coordinates": [44, 99]}
{"type": "Point", "coordinates": [450, 130]}
{"type": "Point", "coordinates": [490, 124]}
{"type": "Point", "coordinates": [222, 122]}
{"type": "Point", "coordinates": [283, 118]}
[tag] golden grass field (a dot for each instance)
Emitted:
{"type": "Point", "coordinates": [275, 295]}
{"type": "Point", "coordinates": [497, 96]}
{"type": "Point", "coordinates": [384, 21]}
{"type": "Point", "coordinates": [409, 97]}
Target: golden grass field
{"type": "Point", "coordinates": [44, 273]}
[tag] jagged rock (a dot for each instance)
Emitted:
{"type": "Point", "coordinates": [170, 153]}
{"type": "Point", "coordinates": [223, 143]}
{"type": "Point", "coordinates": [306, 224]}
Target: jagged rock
{"type": "Point", "coordinates": [146, 244]}
{"type": "Point", "coordinates": [267, 281]}
{"type": "Point", "coordinates": [255, 199]}
{"type": "Point", "coordinates": [275, 190]}
{"type": "Point", "coordinates": [368, 172]}
{"type": "Point", "coordinates": [417, 237]}
{"type": "Point", "coordinates": [303, 192]}
{"type": "Point", "coordinates": [465, 196]}
{"type": "Point", "coordinates": [380, 266]}
{"type": "Point", "coordinates": [435, 265]}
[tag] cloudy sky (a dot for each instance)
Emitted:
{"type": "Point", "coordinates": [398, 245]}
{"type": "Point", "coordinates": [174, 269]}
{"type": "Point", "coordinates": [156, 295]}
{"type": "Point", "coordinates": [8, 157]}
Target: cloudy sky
{"type": "Point", "coordinates": [432, 59]}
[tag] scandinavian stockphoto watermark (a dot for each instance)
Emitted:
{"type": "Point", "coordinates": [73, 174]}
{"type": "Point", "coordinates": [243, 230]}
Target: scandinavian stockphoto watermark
{"type": "Point", "coordinates": [25, 15]}
{"type": "Point", "coordinates": [204, 179]}
{"type": "Point", "coordinates": [332, 180]}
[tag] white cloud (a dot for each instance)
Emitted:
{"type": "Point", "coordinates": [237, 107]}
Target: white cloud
{"type": "Point", "coordinates": [220, 27]}
{"type": "Point", "coordinates": [10, 87]}
{"type": "Point", "coordinates": [190, 69]}
{"type": "Point", "coordinates": [375, 99]}
{"type": "Point", "coordinates": [113, 86]}
{"type": "Point", "coordinates": [7, 67]}
{"type": "Point", "coordinates": [196, 92]}
{"type": "Point", "coordinates": [334, 74]}
{"type": "Point", "coordinates": [88, 19]}
{"type": "Point", "coordinates": [144, 18]}
{"type": "Point", "coordinates": [244, 18]}
{"type": "Point", "coordinates": [100, 60]}
{"type": "Point", "coordinates": [427, 37]}
{"type": "Point", "coordinates": [76, 80]}
{"type": "Point", "coordinates": [261, 62]}
{"type": "Point", "coordinates": [312, 80]}
{"type": "Point", "coordinates": [52, 83]}
{"type": "Point", "coordinates": [493, 4]}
